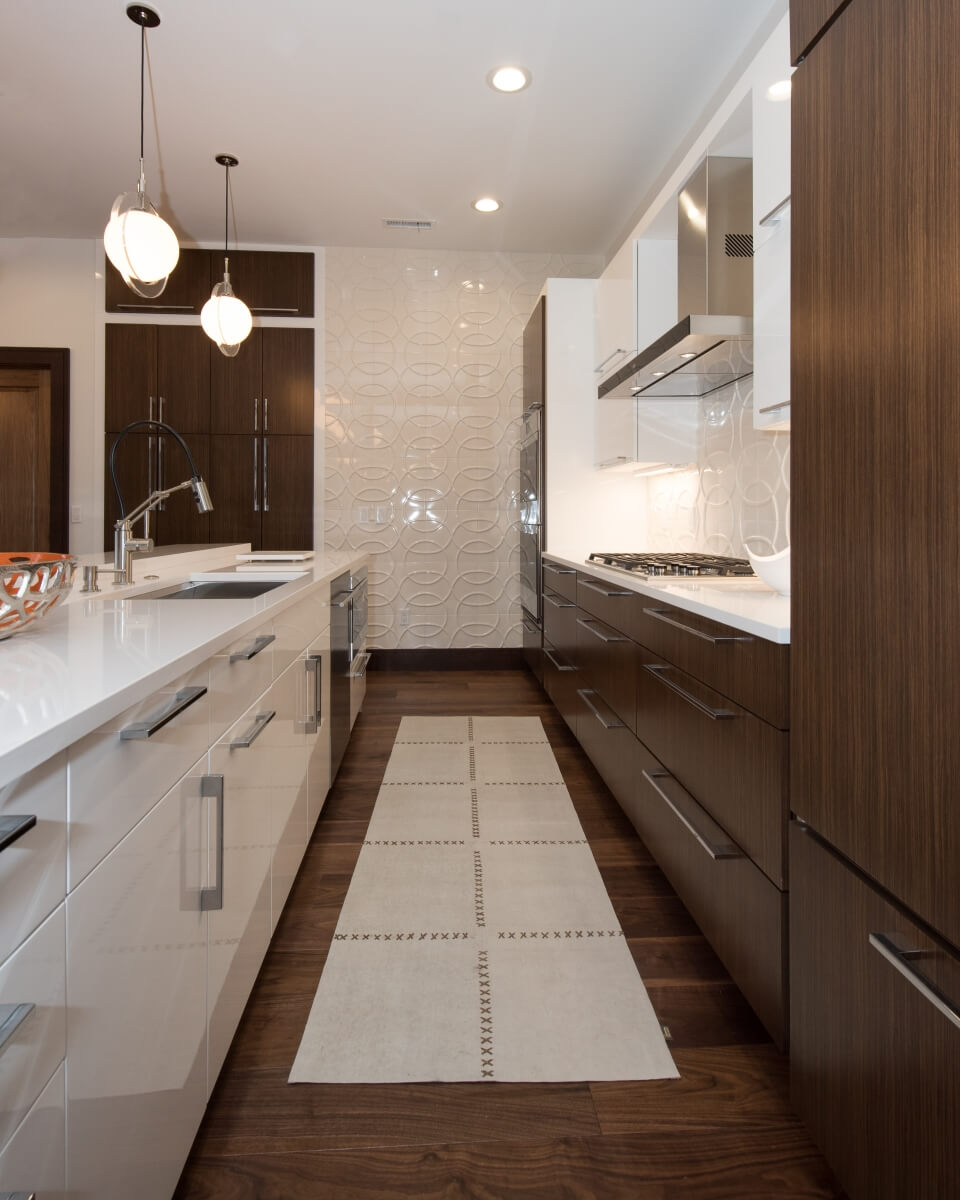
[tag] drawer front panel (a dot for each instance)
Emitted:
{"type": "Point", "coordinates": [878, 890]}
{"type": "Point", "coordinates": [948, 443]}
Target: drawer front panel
{"type": "Point", "coordinates": [297, 626]}
{"type": "Point", "coordinates": [114, 781]}
{"type": "Point", "coordinates": [34, 1160]}
{"type": "Point", "coordinates": [559, 621]}
{"type": "Point", "coordinates": [740, 912]}
{"type": "Point", "coordinates": [875, 1060]}
{"type": "Point", "coordinates": [34, 1040]}
{"type": "Point", "coordinates": [33, 868]}
{"type": "Point", "coordinates": [610, 602]}
{"type": "Point", "coordinates": [749, 670]}
{"type": "Point", "coordinates": [560, 681]}
{"type": "Point", "coordinates": [608, 661]}
{"type": "Point", "coordinates": [609, 745]}
{"type": "Point", "coordinates": [238, 676]}
{"type": "Point", "coordinates": [558, 577]}
{"type": "Point", "coordinates": [734, 764]}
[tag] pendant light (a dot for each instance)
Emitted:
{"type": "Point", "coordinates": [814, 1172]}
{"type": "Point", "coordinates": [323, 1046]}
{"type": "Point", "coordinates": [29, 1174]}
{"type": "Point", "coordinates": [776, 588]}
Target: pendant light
{"type": "Point", "coordinates": [137, 240]}
{"type": "Point", "coordinates": [225, 318]}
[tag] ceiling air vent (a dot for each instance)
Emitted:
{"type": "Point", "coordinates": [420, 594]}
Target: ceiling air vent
{"type": "Point", "coordinates": [407, 223]}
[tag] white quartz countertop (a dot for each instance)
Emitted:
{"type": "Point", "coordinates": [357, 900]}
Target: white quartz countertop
{"type": "Point", "coordinates": [93, 657]}
{"type": "Point", "coordinates": [746, 604]}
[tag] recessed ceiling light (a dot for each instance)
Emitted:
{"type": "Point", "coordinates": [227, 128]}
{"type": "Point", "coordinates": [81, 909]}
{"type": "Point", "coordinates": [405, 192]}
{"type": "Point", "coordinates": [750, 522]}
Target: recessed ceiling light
{"type": "Point", "coordinates": [509, 79]}
{"type": "Point", "coordinates": [486, 204]}
{"type": "Point", "coordinates": [779, 90]}
{"type": "Point", "coordinates": [658, 374]}
{"type": "Point", "coordinates": [688, 354]}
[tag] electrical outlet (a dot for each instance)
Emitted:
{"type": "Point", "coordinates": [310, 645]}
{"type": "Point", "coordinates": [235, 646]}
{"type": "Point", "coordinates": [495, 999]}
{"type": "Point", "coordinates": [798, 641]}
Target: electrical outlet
{"type": "Point", "coordinates": [404, 616]}
{"type": "Point", "coordinates": [76, 514]}
{"type": "Point", "coordinates": [363, 515]}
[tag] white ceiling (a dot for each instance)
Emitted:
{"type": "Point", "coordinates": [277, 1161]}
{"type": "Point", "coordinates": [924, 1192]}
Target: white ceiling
{"type": "Point", "coordinates": [344, 113]}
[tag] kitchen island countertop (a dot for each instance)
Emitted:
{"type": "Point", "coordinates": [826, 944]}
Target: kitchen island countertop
{"type": "Point", "coordinates": [746, 604]}
{"type": "Point", "coordinates": [97, 655]}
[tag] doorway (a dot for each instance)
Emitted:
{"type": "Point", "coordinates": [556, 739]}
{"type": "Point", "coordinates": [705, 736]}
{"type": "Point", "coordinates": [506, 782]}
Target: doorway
{"type": "Point", "coordinates": [35, 437]}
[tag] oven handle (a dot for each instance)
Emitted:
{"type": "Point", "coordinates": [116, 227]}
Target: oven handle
{"type": "Point", "coordinates": [359, 665]}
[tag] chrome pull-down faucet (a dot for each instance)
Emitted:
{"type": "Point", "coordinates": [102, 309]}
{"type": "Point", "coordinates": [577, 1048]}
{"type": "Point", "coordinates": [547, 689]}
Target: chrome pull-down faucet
{"type": "Point", "coordinates": [125, 545]}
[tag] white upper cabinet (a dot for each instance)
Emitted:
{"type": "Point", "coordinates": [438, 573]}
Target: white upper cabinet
{"type": "Point", "coordinates": [616, 319]}
{"type": "Point", "coordinates": [771, 233]}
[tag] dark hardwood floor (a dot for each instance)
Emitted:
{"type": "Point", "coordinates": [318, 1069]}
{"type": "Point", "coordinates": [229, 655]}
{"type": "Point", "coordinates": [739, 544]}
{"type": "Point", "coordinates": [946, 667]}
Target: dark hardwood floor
{"type": "Point", "coordinates": [723, 1131]}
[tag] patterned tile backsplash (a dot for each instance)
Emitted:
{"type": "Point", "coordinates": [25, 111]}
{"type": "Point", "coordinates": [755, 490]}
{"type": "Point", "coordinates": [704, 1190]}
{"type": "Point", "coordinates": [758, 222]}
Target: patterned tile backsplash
{"type": "Point", "coordinates": [423, 403]}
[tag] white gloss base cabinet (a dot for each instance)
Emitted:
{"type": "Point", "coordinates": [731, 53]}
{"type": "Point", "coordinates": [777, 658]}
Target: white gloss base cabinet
{"type": "Point", "coordinates": [136, 955]}
{"type": "Point", "coordinates": [33, 1162]}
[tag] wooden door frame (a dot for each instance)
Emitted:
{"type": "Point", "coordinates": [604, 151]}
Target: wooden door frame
{"type": "Point", "coordinates": [57, 362]}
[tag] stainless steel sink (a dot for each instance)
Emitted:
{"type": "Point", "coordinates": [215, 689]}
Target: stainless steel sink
{"type": "Point", "coordinates": [213, 589]}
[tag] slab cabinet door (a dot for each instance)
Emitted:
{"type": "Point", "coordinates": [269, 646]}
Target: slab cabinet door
{"type": "Point", "coordinates": [136, 1042]}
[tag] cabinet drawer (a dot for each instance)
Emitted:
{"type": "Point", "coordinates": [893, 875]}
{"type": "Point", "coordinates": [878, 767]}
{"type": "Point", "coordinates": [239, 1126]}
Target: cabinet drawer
{"type": "Point", "coordinates": [33, 868]}
{"type": "Point", "coordinates": [608, 601]}
{"type": "Point", "coordinates": [732, 762]}
{"type": "Point", "coordinates": [608, 663]}
{"type": "Point", "coordinates": [608, 743]}
{"type": "Point", "coordinates": [738, 909]}
{"type": "Point", "coordinates": [296, 627]}
{"type": "Point", "coordinates": [875, 1053]}
{"type": "Point", "coordinates": [32, 993]}
{"type": "Point", "coordinates": [559, 621]}
{"type": "Point", "coordinates": [117, 773]}
{"type": "Point", "coordinates": [560, 678]}
{"type": "Point", "coordinates": [242, 672]}
{"type": "Point", "coordinates": [558, 577]}
{"type": "Point", "coordinates": [33, 1162]}
{"type": "Point", "coordinates": [748, 669]}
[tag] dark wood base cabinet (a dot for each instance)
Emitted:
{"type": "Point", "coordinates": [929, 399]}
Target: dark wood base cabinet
{"type": "Point", "coordinates": [875, 1052]}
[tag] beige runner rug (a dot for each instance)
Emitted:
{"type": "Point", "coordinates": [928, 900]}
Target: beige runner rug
{"type": "Point", "coordinates": [477, 941]}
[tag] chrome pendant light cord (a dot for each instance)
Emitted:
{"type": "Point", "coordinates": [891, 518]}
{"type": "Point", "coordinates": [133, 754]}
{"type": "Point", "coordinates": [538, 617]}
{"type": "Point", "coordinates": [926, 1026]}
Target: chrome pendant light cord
{"type": "Point", "coordinates": [226, 207]}
{"type": "Point", "coordinates": [141, 186]}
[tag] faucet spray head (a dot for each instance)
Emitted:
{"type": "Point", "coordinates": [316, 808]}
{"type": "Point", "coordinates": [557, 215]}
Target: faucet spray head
{"type": "Point", "coordinates": [201, 494]}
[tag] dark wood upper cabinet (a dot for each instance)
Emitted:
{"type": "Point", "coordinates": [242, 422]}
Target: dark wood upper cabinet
{"type": "Point", "coordinates": [267, 387]}
{"type": "Point", "coordinates": [187, 290]}
{"type": "Point", "coordinates": [809, 19]}
{"type": "Point", "coordinates": [158, 372]}
{"type": "Point", "coordinates": [271, 283]}
{"type": "Point", "coordinates": [875, 449]}
{"type": "Point", "coordinates": [286, 500]}
{"type": "Point", "coordinates": [130, 375]}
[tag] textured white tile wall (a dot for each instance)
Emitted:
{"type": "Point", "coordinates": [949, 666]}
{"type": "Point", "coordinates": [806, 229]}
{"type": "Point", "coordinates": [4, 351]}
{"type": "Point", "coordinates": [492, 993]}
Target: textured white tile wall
{"type": "Point", "coordinates": [423, 399]}
{"type": "Point", "coordinates": [739, 493]}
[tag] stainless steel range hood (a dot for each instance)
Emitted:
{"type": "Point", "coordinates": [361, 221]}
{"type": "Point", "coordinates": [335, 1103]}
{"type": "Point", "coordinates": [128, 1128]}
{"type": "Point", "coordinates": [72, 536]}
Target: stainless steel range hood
{"type": "Point", "coordinates": [713, 348]}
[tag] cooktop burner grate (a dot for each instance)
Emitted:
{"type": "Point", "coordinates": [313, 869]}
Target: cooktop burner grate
{"type": "Point", "coordinates": [676, 565]}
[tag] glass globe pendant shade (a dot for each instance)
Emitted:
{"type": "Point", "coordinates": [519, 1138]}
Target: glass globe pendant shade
{"type": "Point", "coordinates": [140, 244]}
{"type": "Point", "coordinates": [225, 318]}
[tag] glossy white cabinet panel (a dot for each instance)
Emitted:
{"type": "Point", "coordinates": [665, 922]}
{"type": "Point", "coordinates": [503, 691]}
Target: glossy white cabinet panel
{"type": "Point", "coordinates": [239, 932]}
{"type": "Point", "coordinates": [616, 317]}
{"type": "Point", "coordinates": [113, 782]}
{"type": "Point", "coordinates": [32, 975]}
{"type": "Point", "coordinates": [282, 768]}
{"type": "Point", "coordinates": [34, 1160]}
{"type": "Point", "coordinates": [295, 627]}
{"type": "Point", "coordinates": [238, 676]}
{"type": "Point", "coordinates": [771, 123]}
{"type": "Point", "coordinates": [33, 869]}
{"type": "Point", "coordinates": [136, 957]}
{"type": "Point", "coordinates": [318, 779]}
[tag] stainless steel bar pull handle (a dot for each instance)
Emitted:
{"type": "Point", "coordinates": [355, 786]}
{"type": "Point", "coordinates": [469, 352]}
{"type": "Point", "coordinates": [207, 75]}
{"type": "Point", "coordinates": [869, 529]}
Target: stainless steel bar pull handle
{"type": "Point", "coordinates": [717, 850]}
{"type": "Point", "coordinates": [663, 614]}
{"type": "Point", "coordinates": [211, 786]}
{"type": "Point", "coordinates": [12, 828]}
{"type": "Point", "coordinates": [266, 414]}
{"type": "Point", "coordinates": [616, 723]}
{"type": "Point", "coordinates": [256, 477]}
{"type": "Point", "coordinates": [588, 624]}
{"type": "Point", "coordinates": [340, 600]}
{"type": "Point", "coordinates": [604, 591]}
{"type": "Point", "coordinates": [12, 1016]}
{"type": "Point", "coordinates": [558, 603]}
{"type": "Point", "coordinates": [262, 720]}
{"type": "Point", "coordinates": [556, 663]}
{"type": "Point", "coordinates": [314, 710]}
{"type": "Point", "coordinates": [529, 627]}
{"type": "Point", "coordinates": [613, 354]}
{"type": "Point", "coordinates": [360, 663]}
{"type": "Point", "coordinates": [258, 644]}
{"type": "Point", "coordinates": [901, 959]}
{"type": "Point", "coordinates": [715, 714]}
{"type": "Point", "coordinates": [547, 566]}
{"type": "Point", "coordinates": [180, 702]}
{"type": "Point", "coordinates": [266, 501]}
{"type": "Point", "coordinates": [31, 1195]}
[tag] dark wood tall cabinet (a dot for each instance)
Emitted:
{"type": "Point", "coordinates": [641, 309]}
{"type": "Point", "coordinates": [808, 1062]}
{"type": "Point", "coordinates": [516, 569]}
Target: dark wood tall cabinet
{"type": "Point", "coordinates": [875, 451]}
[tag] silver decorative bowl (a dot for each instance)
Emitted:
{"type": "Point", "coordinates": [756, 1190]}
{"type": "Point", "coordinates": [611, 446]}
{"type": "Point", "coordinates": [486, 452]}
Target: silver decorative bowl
{"type": "Point", "coordinates": [30, 585]}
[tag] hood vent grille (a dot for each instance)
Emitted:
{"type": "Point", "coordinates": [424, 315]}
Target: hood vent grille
{"type": "Point", "coordinates": [738, 245]}
{"type": "Point", "coordinates": [408, 223]}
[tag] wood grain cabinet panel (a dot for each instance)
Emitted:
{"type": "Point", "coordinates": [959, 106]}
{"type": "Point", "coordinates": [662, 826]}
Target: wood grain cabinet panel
{"type": "Point", "coordinates": [608, 601]}
{"type": "Point", "coordinates": [187, 290]}
{"type": "Point", "coordinates": [875, 1064]}
{"type": "Point", "coordinates": [558, 577]}
{"type": "Point", "coordinates": [875, 364]}
{"type": "Point", "coordinates": [270, 282]}
{"type": "Point", "coordinates": [738, 909]}
{"type": "Point", "coordinates": [732, 762]}
{"type": "Point", "coordinates": [809, 20]}
{"type": "Point", "coordinates": [608, 663]}
{"type": "Point", "coordinates": [559, 620]}
{"type": "Point", "coordinates": [560, 681]}
{"type": "Point", "coordinates": [286, 517]}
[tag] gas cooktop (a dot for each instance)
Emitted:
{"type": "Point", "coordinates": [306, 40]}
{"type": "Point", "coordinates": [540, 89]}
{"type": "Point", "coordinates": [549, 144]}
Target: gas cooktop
{"type": "Point", "coordinates": [677, 566]}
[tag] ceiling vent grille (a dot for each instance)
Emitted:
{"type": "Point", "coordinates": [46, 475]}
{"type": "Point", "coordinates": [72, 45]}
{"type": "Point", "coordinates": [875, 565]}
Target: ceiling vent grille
{"type": "Point", "coordinates": [738, 245]}
{"type": "Point", "coordinates": [408, 223]}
